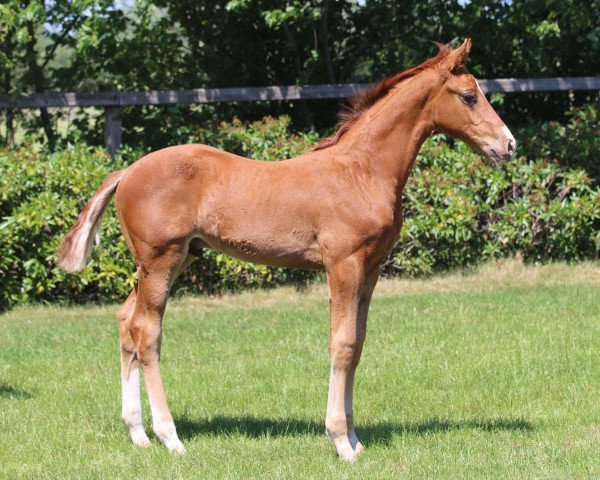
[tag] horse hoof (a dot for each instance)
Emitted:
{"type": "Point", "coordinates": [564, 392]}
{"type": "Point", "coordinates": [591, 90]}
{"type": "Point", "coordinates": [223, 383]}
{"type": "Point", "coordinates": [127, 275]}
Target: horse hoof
{"type": "Point", "coordinates": [142, 442]}
{"type": "Point", "coordinates": [140, 439]}
{"type": "Point", "coordinates": [176, 448]}
{"type": "Point", "coordinates": [359, 448]}
{"type": "Point", "coordinates": [348, 456]}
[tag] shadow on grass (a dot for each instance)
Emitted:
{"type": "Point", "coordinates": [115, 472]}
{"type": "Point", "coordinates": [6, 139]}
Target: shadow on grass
{"type": "Point", "coordinates": [7, 391]}
{"type": "Point", "coordinates": [379, 433]}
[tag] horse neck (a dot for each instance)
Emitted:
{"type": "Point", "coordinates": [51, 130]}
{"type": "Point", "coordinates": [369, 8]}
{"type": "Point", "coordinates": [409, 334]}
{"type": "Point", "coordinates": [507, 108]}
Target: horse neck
{"type": "Point", "coordinates": [391, 132]}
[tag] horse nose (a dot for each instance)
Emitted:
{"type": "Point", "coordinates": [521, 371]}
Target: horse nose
{"type": "Point", "coordinates": [512, 146]}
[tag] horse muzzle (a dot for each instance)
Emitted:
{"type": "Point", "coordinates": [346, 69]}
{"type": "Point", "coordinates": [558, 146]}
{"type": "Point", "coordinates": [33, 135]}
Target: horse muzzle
{"type": "Point", "coordinates": [500, 152]}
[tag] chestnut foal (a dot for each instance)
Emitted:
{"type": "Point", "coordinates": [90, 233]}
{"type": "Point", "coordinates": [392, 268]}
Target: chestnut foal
{"type": "Point", "coordinates": [337, 207]}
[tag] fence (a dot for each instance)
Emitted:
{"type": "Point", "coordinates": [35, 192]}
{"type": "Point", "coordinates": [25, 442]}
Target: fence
{"type": "Point", "coordinates": [112, 102]}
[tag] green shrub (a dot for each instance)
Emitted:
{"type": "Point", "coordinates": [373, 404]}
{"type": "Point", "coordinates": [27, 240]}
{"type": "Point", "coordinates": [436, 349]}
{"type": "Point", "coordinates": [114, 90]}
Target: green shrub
{"type": "Point", "coordinates": [266, 139]}
{"type": "Point", "coordinates": [575, 143]}
{"type": "Point", "coordinates": [458, 212]}
{"type": "Point", "coordinates": [40, 199]}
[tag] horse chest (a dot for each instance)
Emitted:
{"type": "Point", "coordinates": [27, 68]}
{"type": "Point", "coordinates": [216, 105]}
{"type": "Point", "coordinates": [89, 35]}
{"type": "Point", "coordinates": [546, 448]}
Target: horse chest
{"type": "Point", "coordinates": [382, 231]}
{"type": "Point", "coordinates": [372, 230]}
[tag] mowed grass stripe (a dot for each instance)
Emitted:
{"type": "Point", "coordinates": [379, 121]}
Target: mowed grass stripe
{"type": "Point", "coordinates": [454, 383]}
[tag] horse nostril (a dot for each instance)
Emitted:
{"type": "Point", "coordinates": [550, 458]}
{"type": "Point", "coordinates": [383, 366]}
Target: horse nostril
{"type": "Point", "coordinates": [511, 147]}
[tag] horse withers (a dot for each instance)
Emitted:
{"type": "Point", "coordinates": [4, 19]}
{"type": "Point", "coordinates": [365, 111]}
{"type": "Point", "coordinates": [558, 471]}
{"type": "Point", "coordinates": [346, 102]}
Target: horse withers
{"type": "Point", "coordinates": [337, 207]}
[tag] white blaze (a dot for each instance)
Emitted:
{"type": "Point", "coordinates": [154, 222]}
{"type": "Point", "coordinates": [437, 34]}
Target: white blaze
{"type": "Point", "coordinates": [478, 87]}
{"type": "Point", "coordinates": [509, 135]}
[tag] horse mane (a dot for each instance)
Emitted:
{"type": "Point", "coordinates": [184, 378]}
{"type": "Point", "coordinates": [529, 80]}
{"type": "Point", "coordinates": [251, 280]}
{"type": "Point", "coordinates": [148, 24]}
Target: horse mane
{"type": "Point", "coordinates": [368, 97]}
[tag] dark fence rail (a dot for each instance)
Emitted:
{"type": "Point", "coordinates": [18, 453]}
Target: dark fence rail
{"type": "Point", "coordinates": [114, 101]}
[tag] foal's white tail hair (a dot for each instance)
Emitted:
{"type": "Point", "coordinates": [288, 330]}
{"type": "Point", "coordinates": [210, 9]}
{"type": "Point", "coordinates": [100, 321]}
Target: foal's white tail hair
{"type": "Point", "coordinates": [76, 248]}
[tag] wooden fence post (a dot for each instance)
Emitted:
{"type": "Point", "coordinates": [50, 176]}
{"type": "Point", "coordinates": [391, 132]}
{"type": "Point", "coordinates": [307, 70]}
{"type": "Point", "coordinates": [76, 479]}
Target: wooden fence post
{"type": "Point", "coordinates": [112, 129]}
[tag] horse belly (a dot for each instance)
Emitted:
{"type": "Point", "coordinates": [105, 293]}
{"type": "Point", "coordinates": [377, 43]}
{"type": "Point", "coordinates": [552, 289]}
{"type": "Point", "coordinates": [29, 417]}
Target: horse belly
{"type": "Point", "coordinates": [261, 237]}
{"type": "Point", "coordinates": [283, 254]}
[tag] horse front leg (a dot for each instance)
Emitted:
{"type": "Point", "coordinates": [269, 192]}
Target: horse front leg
{"type": "Point", "coordinates": [346, 281]}
{"type": "Point", "coordinates": [361, 333]}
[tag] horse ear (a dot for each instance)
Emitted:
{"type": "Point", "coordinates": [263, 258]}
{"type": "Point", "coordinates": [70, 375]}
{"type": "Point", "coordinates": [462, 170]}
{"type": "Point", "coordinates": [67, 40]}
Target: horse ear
{"type": "Point", "coordinates": [457, 58]}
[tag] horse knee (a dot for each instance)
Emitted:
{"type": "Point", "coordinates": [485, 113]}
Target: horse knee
{"type": "Point", "coordinates": [345, 351]}
{"type": "Point", "coordinates": [358, 347]}
{"type": "Point", "coordinates": [126, 310]}
{"type": "Point", "coordinates": [341, 350]}
{"type": "Point", "coordinates": [146, 337]}
{"type": "Point", "coordinates": [124, 331]}
{"type": "Point", "coordinates": [124, 317]}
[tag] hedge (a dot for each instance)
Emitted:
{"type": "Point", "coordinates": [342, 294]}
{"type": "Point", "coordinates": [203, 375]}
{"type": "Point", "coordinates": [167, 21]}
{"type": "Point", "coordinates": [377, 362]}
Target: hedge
{"type": "Point", "coordinates": [459, 211]}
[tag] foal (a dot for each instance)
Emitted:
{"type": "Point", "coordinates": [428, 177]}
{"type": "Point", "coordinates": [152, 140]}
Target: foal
{"type": "Point", "coordinates": [337, 207]}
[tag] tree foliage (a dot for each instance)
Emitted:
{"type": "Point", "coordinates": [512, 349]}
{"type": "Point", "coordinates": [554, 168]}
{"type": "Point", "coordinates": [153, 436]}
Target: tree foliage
{"type": "Point", "coordinates": [84, 45]}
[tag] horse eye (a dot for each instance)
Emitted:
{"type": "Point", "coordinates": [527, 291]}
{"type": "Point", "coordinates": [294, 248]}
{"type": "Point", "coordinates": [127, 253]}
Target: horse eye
{"type": "Point", "coordinates": [469, 98]}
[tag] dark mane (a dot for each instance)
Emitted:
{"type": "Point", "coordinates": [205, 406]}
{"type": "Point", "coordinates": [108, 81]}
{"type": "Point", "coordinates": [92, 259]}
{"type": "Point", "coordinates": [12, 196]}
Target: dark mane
{"type": "Point", "coordinates": [371, 95]}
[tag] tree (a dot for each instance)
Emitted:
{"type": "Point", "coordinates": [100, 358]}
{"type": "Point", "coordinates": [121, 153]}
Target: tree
{"type": "Point", "coordinates": [84, 45]}
{"type": "Point", "coordinates": [33, 34]}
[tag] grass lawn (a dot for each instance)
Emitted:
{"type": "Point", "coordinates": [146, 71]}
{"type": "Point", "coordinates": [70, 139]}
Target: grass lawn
{"type": "Point", "coordinates": [495, 374]}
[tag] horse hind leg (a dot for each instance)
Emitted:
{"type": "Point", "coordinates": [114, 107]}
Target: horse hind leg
{"type": "Point", "coordinates": [131, 411]}
{"type": "Point", "coordinates": [131, 405]}
{"type": "Point", "coordinates": [155, 280]}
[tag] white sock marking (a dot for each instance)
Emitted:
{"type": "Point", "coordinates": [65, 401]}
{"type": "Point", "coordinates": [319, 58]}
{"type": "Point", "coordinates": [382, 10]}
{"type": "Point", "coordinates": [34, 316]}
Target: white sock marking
{"type": "Point", "coordinates": [131, 408]}
{"type": "Point", "coordinates": [166, 432]}
{"type": "Point", "coordinates": [131, 404]}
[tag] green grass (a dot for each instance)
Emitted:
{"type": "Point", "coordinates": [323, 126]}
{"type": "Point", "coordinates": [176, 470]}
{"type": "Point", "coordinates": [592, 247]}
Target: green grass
{"type": "Point", "coordinates": [493, 375]}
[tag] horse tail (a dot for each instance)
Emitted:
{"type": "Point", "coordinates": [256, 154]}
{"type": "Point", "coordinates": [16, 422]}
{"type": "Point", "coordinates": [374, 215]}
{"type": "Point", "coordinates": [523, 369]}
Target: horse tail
{"type": "Point", "coordinates": [76, 248]}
